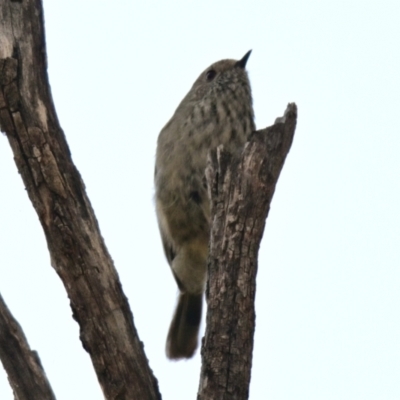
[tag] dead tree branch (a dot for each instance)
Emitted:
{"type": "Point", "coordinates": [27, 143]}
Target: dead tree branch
{"type": "Point", "coordinates": [25, 372]}
{"type": "Point", "coordinates": [56, 190]}
{"type": "Point", "coordinates": [241, 192]}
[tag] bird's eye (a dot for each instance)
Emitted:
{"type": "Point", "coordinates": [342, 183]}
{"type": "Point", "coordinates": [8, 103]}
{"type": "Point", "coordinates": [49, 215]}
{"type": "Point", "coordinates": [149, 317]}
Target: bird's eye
{"type": "Point", "coordinates": [210, 75]}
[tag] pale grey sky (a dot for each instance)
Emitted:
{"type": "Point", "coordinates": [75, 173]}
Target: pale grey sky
{"type": "Point", "coordinates": [328, 298]}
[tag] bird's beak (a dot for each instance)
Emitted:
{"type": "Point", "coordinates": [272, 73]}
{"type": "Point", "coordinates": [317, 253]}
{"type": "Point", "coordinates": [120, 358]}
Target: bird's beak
{"type": "Point", "coordinates": [242, 63]}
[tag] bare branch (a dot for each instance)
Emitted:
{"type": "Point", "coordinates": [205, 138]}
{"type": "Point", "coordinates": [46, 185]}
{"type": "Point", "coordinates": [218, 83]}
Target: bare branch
{"type": "Point", "coordinates": [77, 249]}
{"type": "Point", "coordinates": [25, 372]}
{"type": "Point", "coordinates": [241, 192]}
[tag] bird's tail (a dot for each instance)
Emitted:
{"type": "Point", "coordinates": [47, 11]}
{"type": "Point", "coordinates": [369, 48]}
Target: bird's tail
{"type": "Point", "coordinates": [183, 332]}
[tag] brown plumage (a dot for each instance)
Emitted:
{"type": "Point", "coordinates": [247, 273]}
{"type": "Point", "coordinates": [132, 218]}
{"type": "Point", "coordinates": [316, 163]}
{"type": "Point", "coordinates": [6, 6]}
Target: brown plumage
{"type": "Point", "coordinates": [217, 110]}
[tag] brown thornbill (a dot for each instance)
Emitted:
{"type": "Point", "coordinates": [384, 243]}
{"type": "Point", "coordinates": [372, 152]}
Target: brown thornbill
{"type": "Point", "coordinates": [217, 110]}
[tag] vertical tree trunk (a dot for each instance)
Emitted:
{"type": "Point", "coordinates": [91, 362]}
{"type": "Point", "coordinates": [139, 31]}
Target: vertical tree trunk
{"type": "Point", "coordinates": [241, 192]}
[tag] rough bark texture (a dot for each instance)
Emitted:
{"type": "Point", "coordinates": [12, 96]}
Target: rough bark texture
{"type": "Point", "coordinates": [241, 192]}
{"type": "Point", "coordinates": [54, 186]}
{"type": "Point", "coordinates": [25, 372]}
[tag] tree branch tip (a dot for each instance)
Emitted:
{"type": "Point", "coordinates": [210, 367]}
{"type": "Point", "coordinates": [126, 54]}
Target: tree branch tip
{"type": "Point", "coordinates": [290, 113]}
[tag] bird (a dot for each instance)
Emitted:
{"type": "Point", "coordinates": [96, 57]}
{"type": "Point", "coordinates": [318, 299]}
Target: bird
{"type": "Point", "coordinates": [217, 110]}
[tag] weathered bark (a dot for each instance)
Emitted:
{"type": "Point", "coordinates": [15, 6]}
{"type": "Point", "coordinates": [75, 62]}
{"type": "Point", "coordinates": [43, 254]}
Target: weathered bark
{"type": "Point", "coordinates": [24, 370]}
{"type": "Point", "coordinates": [78, 253]}
{"type": "Point", "coordinates": [241, 192]}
